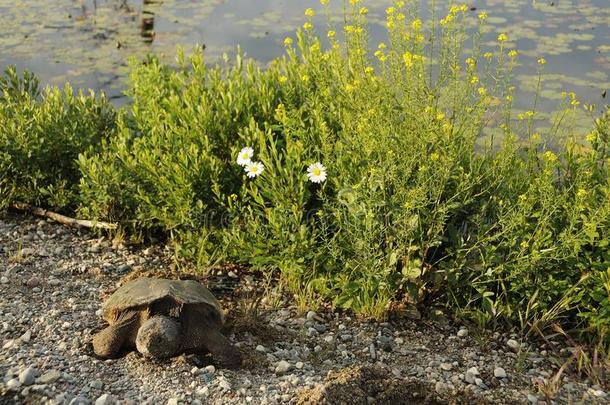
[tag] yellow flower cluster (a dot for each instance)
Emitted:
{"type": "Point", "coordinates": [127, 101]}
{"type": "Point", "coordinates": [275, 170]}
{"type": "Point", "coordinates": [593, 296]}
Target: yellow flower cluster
{"type": "Point", "coordinates": [502, 38]}
{"type": "Point", "coordinates": [410, 59]}
{"type": "Point", "coordinates": [309, 12]}
{"type": "Point", "coordinates": [323, 2]}
{"type": "Point", "coordinates": [287, 41]}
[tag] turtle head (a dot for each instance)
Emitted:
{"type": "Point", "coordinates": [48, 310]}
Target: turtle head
{"type": "Point", "coordinates": [159, 337]}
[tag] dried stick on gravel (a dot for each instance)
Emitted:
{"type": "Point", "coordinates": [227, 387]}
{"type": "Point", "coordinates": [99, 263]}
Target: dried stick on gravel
{"type": "Point", "coordinates": [62, 219]}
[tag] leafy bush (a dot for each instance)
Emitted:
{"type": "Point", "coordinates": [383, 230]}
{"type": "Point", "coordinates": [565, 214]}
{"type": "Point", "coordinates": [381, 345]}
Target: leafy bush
{"type": "Point", "coordinates": [41, 135]}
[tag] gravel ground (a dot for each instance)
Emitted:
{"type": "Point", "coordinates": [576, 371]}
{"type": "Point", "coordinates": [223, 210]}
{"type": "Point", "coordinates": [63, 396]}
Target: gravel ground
{"type": "Point", "coordinates": [53, 280]}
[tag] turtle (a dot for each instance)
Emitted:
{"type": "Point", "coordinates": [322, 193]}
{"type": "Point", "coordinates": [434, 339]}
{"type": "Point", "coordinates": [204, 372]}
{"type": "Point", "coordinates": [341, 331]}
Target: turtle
{"type": "Point", "coordinates": [162, 318]}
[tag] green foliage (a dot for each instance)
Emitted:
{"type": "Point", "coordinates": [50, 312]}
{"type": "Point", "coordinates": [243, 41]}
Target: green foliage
{"type": "Point", "coordinates": [435, 193]}
{"type": "Point", "coordinates": [41, 135]}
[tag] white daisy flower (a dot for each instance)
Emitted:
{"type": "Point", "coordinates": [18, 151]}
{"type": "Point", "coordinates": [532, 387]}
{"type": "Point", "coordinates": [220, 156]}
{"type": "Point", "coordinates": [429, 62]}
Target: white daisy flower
{"type": "Point", "coordinates": [244, 156]}
{"type": "Point", "coordinates": [254, 169]}
{"type": "Point", "coordinates": [316, 172]}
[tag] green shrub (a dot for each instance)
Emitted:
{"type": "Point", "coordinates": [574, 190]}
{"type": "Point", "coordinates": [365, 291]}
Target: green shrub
{"type": "Point", "coordinates": [435, 193]}
{"type": "Point", "coordinates": [41, 135]}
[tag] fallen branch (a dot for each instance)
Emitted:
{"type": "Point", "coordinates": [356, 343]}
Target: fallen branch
{"type": "Point", "coordinates": [62, 219]}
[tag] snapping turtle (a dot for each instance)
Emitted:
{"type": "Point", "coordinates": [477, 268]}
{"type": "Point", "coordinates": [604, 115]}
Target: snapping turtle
{"type": "Point", "coordinates": [162, 318]}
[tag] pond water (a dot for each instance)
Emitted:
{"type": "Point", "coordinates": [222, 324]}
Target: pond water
{"type": "Point", "coordinates": [87, 42]}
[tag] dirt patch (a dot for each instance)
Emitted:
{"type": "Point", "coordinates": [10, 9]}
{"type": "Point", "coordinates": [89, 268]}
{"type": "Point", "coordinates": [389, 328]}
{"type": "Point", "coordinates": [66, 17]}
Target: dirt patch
{"type": "Point", "coordinates": [369, 384]}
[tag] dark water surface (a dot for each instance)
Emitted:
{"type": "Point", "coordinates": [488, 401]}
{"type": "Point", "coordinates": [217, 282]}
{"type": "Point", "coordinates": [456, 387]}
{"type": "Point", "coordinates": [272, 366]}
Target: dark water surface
{"type": "Point", "coordinates": [87, 42]}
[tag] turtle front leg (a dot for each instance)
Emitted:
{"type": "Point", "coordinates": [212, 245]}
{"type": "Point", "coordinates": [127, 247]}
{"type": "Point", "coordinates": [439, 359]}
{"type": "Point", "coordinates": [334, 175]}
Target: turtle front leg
{"type": "Point", "coordinates": [223, 352]}
{"type": "Point", "coordinates": [108, 342]}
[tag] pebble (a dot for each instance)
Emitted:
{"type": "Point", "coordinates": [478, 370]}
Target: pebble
{"type": "Point", "coordinates": [210, 369]}
{"type": "Point", "coordinates": [28, 375]}
{"type": "Point", "coordinates": [471, 375]}
{"type": "Point", "coordinates": [4, 280]}
{"type": "Point", "coordinates": [172, 401]}
{"type": "Point", "coordinates": [532, 399]}
{"type": "Point", "coordinates": [299, 365]}
{"type": "Point", "coordinates": [105, 399]}
{"type": "Point", "coordinates": [13, 384]}
{"type": "Point", "coordinates": [32, 282]}
{"type": "Point", "coordinates": [446, 366]}
{"type": "Point", "coordinates": [462, 333]}
{"type": "Point", "coordinates": [513, 344]}
{"type": "Point", "coordinates": [49, 377]}
{"type": "Point", "coordinates": [261, 348]}
{"type": "Point", "coordinates": [499, 372]}
{"type": "Point", "coordinates": [282, 367]}
{"type": "Point", "coordinates": [79, 400]}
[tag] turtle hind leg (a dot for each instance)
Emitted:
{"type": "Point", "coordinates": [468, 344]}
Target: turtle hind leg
{"type": "Point", "coordinates": [108, 342]}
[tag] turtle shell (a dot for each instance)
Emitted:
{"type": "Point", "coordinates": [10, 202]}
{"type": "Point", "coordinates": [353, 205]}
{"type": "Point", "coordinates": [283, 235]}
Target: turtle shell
{"type": "Point", "coordinates": [146, 291]}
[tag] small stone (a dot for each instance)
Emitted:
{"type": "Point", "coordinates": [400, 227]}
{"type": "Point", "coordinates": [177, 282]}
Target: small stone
{"type": "Point", "coordinates": [105, 399]}
{"type": "Point", "coordinates": [28, 375]}
{"type": "Point", "coordinates": [49, 377]}
{"type": "Point", "coordinates": [79, 400]}
{"type": "Point", "coordinates": [4, 280]}
{"type": "Point", "coordinates": [372, 352]}
{"type": "Point", "coordinates": [299, 365]}
{"type": "Point", "coordinates": [172, 401]}
{"type": "Point", "coordinates": [513, 344]}
{"type": "Point", "coordinates": [329, 339]}
{"type": "Point", "coordinates": [479, 382]}
{"type": "Point", "coordinates": [282, 367]}
{"type": "Point", "coordinates": [232, 274]}
{"type": "Point", "coordinates": [311, 315]}
{"type": "Point", "coordinates": [462, 333]}
{"type": "Point", "coordinates": [13, 384]}
{"type": "Point", "coordinates": [471, 375]}
{"type": "Point", "coordinates": [261, 348]}
{"type": "Point", "coordinates": [210, 369]}
{"type": "Point", "coordinates": [320, 328]}
{"type": "Point", "coordinates": [399, 341]}
{"type": "Point", "coordinates": [446, 366]}
{"type": "Point", "coordinates": [26, 336]}
{"type": "Point", "coordinates": [224, 384]}
{"type": "Point", "coordinates": [499, 372]}
{"type": "Point", "coordinates": [97, 384]}
{"type": "Point", "coordinates": [32, 282]}
{"type": "Point", "coordinates": [532, 399]}
{"type": "Point", "coordinates": [203, 392]}
{"type": "Point", "coordinates": [441, 388]}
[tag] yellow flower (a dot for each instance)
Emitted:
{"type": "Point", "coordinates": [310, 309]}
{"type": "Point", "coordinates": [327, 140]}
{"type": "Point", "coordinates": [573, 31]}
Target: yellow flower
{"type": "Point", "coordinates": [474, 80]}
{"type": "Point", "coordinates": [381, 45]}
{"type": "Point", "coordinates": [550, 156]}
{"type": "Point", "coordinates": [354, 2]}
{"type": "Point", "coordinates": [582, 193]}
{"type": "Point", "coordinates": [283, 79]}
{"type": "Point", "coordinates": [488, 55]}
{"type": "Point", "coordinates": [369, 70]}
{"type": "Point", "coordinates": [400, 4]}
{"type": "Point", "coordinates": [309, 12]}
{"type": "Point", "coordinates": [502, 37]}
{"type": "Point", "coordinates": [416, 24]}
{"type": "Point", "coordinates": [541, 61]}
{"type": "Point", "coordinates": [400, 17]}
{"type": "Point", "coordinates": [331, 34]}
{"type": "Point", "coordinates": [305, 78]}
{"type": "Point", "coordinates": [463, 8]}
{"type": "Point", "coordinates": [591, 137]}
{"type": "Point", "coordinates": [349, 28]}
{"type": "Point", "coordinates": [440, 116]}
{"type": "Point", "coordinates": [363, 11]}
{"type": "Point", "coordinates": [536, 138]}
{"type": "Point", "coordinates": [287, 41]}
{"type": "Point", "coordinates": [390, 10]}
{"type": "Point", "coordinates": [470, 62]}
{"type": "Point", "coordinates": [483, 16]}
{"type": "Point", "coordinates": [323, 2]}
{"type": "Point", "coordinates": [308, 25]}
{"type": "Point", "coordinates": [513, 54]}
{"type": "Point", "coordinates": [482, 91]}
{"type": "Point", "coordinates": [434, 156]}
